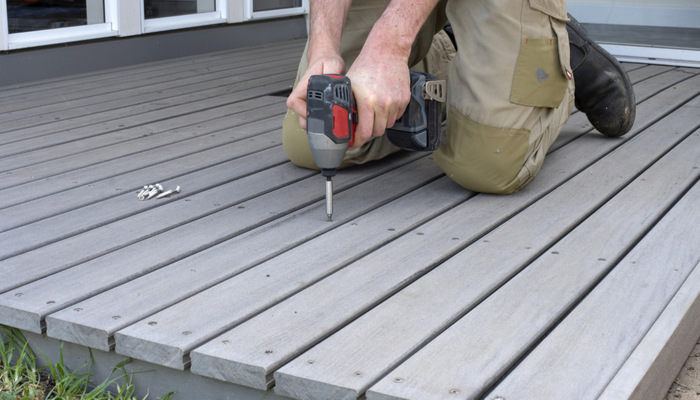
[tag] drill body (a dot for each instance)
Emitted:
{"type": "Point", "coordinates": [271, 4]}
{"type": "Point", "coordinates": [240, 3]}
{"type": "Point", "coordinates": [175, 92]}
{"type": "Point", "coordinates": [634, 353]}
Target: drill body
{"type": "Point", "coordinates": [331, 118]}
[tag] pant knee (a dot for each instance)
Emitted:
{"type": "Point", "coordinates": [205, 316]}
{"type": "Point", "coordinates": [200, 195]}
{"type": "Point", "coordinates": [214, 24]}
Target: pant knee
{"type": "Point", "coordinates": [484, 158]}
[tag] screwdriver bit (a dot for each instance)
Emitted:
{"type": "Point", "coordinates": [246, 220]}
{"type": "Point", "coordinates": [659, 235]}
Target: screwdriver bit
{"type": "Point", "coordinates": [329, 198]}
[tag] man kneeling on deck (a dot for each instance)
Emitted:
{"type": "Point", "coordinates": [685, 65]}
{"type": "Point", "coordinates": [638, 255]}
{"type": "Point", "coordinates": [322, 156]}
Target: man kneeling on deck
{"type": "Point", "coordinates": [514, 71]}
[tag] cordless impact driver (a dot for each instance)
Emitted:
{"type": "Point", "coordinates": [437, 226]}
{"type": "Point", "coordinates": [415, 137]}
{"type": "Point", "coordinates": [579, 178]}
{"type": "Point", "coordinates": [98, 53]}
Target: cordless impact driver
{"type": "Point", "coordinates": [331, 118]}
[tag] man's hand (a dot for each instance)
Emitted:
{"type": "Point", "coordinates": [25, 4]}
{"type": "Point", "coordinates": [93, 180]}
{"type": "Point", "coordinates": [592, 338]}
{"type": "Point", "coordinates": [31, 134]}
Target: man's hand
{"type": "Point", "coordinates": [328, 63]}
{"type": "Point", "coordinates": [380, 77]}
{"type": "Point", "coordinates": [382, 89]}
{"type": "Point", "coordinates": [327, 20]}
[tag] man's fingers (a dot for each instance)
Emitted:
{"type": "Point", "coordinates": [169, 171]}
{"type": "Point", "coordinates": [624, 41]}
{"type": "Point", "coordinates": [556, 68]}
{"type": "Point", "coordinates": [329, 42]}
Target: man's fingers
{"type": "Point", "coordinates": [380, 125]}
{"type": "Point", "coordinates": [373, 123]}
{"type": "Point", "coordinates": [297, 99]}
{"type": "Point", "coordinates": [365, 125]}
{"type": "Point", "coordinates": [391, 119]}
{"type": "Point", "coordinates": [299, 107]}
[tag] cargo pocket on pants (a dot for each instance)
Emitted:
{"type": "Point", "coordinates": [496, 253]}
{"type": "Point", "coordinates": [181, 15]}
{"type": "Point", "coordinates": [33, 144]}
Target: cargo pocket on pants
{"type": "Point", "coordinates": [539, 80]}
{"type": "Point", "coordinates": [483, 158]}
{"type": "Point", "coordinates": [543, 70]}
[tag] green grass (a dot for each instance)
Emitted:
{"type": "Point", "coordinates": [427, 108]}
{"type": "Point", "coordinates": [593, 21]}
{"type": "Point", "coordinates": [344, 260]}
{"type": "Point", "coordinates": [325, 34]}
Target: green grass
{"type": "Point", "coordinates": [22, 379]}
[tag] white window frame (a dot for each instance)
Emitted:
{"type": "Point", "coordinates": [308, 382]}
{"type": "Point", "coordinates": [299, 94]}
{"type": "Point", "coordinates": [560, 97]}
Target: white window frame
{"type": "Point", "coordinates": [3, 25]}
{"type": "Point", "coordinates": [250, 15]}
{"type": "Point", "coordinates": [219, 16]}
{"type": "Point", "coordinates": [655, 55]}
{"type": "Point", "coordinates": [13, 41]}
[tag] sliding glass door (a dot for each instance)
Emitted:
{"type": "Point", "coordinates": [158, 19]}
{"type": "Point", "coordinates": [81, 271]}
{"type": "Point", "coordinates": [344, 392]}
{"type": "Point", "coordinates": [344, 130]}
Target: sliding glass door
{"type": "Point", "coordinates": [660, 29]}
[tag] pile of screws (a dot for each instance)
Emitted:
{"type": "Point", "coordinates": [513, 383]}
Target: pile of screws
{"type": "Point", "coordinates": [150, 191]}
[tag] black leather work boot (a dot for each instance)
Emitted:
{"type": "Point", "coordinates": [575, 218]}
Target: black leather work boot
{"type": "Point", "coordinates": [603, 89]}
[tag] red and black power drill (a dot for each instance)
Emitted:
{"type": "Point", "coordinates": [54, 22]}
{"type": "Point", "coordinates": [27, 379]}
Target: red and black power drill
{"type": "Point", "coordinates": [331, 118]}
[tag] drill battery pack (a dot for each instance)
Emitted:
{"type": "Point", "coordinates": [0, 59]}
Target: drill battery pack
{"type": "Point", "coordinates": [419, 127]}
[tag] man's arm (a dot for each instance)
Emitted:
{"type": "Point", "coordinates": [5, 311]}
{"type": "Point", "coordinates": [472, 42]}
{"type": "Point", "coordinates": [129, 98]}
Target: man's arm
{"type": "Point", "coordinates": [327, 20]}
{"type": "Point", "coordinates": [380, 77]}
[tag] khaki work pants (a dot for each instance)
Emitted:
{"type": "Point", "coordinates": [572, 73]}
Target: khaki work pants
{"type": "Point", "coordinates": [509, 88]}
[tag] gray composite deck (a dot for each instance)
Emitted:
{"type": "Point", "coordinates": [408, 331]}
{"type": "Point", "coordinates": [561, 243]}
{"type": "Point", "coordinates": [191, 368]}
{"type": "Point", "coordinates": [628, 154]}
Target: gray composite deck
{"type": "Point", "coordinates": [583, 285]}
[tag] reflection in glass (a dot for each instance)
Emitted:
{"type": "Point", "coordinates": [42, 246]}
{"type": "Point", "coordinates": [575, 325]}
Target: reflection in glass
{"type": "Point", "coordinates": [35, 15]}
{"type": "Point", "coordinates": [173, 8]}
{"type": "Point", "coordinates": [267, 5]}
{"type": "Point", "coordinates": [673, 24]}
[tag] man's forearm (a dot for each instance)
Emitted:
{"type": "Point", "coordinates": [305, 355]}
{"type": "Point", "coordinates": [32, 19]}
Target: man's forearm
{"type": "Point", "coordinates": [397, 28]}
{"type": "Point", "coordinates": [327, 20]}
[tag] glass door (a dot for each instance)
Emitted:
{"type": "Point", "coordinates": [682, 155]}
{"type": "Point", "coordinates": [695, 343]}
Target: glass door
{"type": "Point", "coordinates": [661, 31]}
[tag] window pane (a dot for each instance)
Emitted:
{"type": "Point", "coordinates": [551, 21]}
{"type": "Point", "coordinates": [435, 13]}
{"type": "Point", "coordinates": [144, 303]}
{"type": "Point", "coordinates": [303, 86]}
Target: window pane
{"type": "Point", "coordinates": [172, 8]}
{"type": "Point", "coordinates": [34, 15]}
{"type": "Point", "coordinates": [266, 5]}
{"type": "Point", "coordinates": [654, 23]}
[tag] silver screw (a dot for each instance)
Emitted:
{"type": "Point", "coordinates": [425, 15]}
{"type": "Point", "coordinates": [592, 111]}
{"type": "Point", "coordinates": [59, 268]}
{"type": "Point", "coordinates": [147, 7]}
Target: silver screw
{"type": "Point", "coordinates": [142, 194]}
{"type": "Point", "coordinates": [168, 193]}
{"type": "Point", "coordinates": [152, 193]}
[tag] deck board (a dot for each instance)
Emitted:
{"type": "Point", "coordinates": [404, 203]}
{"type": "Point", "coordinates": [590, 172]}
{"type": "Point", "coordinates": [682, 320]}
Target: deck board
{"type": "Point", "coordinates": [130, 146]}
{"type": "Point", "coordinates": [116, 83]}
{"type": "Point", "coordinates": [240, 278]}
{"type": "Point", "coordinates": [128, 104]}
{"type": "Point", "coordinates": [190, 274]}
{"type": "Point", "coordinates": [654, 362]}
{"type": "Point", "coordinates": [216, 155]}
{"type": "Point", "coordinates": [487, 265]}
{"type": "Point", "coordinates": [166, 116]}
{"type": "Point", "coordinates": [551, 284]}
{"type": "Point", "coordinates": [624, 305]}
